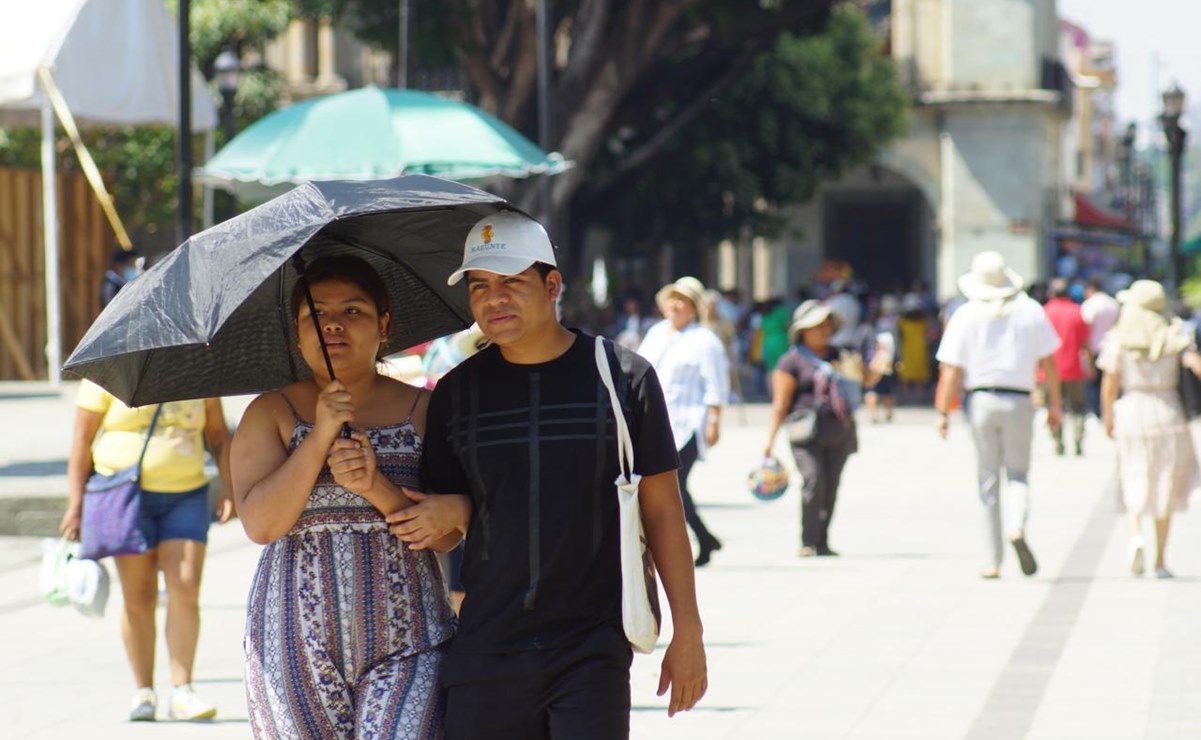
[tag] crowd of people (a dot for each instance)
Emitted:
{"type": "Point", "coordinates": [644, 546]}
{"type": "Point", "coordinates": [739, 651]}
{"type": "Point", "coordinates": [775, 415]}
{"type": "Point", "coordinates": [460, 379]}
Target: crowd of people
{"type": "Point", "coordinates": [354, 482]}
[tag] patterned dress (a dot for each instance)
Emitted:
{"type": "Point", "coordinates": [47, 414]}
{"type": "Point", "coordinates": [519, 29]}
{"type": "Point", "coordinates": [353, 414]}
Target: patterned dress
{"type": "Point", "coordinates": [344, 623]}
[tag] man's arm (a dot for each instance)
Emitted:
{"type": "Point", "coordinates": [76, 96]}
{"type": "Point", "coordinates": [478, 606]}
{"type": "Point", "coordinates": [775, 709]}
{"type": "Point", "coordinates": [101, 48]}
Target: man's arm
{"type": "Point", "coordinates": [684, 668]}
{"type": "Point", "coordinates": [1054, 400]}
{"type": "Point", "coordinates": [950, 384]}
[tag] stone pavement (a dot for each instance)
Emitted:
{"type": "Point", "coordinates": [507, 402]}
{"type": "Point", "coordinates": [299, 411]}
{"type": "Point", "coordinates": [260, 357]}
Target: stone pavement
{"type": "Point", "coordinates": [898, 638]}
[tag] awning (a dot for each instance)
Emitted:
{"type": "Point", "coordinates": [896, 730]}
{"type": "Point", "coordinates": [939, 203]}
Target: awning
{"type": "Point", "coordinates": [1090, 213]}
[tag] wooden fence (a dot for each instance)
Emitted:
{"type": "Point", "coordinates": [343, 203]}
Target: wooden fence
{"type": "Point", "coordinates": [85, 243]}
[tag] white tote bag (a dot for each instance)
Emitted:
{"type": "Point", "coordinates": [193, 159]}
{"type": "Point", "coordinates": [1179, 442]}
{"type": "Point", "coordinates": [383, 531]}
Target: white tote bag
{"type": "Point", "coordinates": [639, 589]}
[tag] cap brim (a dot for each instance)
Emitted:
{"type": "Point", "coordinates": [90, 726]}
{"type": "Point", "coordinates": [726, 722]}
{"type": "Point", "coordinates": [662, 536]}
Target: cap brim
{"type": "Point", "coordinates": [495, 264]}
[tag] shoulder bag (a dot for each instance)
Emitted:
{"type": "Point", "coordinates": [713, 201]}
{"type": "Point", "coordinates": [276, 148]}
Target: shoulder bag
{"type": "Point", "coordinates": [111, 507]}
{"type": "Point", "coordinates": [640, 614]}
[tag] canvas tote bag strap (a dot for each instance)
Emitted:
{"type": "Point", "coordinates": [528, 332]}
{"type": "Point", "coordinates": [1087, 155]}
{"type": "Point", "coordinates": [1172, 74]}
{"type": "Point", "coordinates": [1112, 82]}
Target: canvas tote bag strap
{"type": "Point", "coordinates": [149, 434]}
{"type": "Point", "coordinates": [625, 445]}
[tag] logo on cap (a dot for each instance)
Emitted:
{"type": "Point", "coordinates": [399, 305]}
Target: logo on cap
{"type": "Point", "coordinates": [486, 233]}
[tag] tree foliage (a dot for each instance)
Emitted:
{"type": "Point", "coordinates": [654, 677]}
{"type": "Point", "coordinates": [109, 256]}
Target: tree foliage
{"type": "Point", "coordinates": [808, 109]}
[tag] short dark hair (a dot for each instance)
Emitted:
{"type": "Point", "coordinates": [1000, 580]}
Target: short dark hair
{"type": "Point", "coordinates": [543, 269]}
{"type": "Point", "coordinates": [349, 269]}
{"type": "Point", "coordinates": [1095, 283]}
{"type": "Point", "coordinates": [122, 256]}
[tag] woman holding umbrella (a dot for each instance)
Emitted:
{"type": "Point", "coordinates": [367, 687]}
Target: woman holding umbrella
{"type": "Point", "coordinates": [345, 624]}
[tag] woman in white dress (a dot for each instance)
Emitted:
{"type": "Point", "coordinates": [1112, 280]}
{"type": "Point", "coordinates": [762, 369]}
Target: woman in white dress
{"type": "Point", "coordinates": [1157, 465]}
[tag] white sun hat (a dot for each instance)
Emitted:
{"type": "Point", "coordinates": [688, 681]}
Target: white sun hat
{"type": "Point", "coordinates": [989, 279]}
{"type": "Point", "coordinates": [505, 243]}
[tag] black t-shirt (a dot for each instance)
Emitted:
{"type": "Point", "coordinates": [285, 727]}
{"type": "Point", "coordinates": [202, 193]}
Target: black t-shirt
{"type": "Point", "coordinates": [535, 446]}
{"type": "Point", "coordinates": [805, 371]}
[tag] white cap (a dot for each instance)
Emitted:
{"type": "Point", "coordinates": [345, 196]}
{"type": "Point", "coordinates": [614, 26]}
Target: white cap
{"type": "Point", "coordinates": [505, 243]}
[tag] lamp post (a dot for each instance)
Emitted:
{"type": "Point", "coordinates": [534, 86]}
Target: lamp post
{"type": "Point", "coordinates": [228, 72]}
{"type": "Point", "coordinates": [1173, 107]}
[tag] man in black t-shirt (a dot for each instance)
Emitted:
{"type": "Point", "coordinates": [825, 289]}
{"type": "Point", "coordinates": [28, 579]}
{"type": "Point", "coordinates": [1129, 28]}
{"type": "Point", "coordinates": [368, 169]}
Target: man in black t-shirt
{"type": "Point", "coordinates": [526, 427]}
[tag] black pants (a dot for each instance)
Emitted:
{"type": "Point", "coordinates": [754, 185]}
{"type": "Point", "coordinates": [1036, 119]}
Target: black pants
{"type": "Point", "coordinates": [580, 691]}
{"type": "Point", "coordinates": [821, 472]}
{"type": "Point", "coordinates": [688, 457]}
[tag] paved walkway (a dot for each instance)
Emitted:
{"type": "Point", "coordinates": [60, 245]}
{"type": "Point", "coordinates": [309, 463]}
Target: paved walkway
{"type": "Point", "coordinates": [896, 639]}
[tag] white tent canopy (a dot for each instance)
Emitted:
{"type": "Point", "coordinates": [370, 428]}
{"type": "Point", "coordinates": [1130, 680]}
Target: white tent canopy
{"type": "Point", "coordinates": [114, 63]}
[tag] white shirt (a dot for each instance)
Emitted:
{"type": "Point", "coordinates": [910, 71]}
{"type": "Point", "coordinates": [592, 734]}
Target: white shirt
{"type": "Point", "coordinates": [998, 351]}
{"type": "Point", "coordinates": [694, 373]}
{"type": "Point", "coordinates": [847, 308]}
{"type": "Point", "coordinates": [1100, 312]}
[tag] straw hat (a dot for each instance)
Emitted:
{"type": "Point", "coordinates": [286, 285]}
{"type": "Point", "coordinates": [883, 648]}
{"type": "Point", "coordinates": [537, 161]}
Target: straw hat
{"type": "Point", "coordinates": [1143, 324]}
{"type": "Point", "coordinates": [989, 279]}
{"type": "Point", "coordinates": [1146, 294]}
{"type": "Point", "coordinates": [812, 313]}
{"type": "Point", "coordinates": [686, 287]}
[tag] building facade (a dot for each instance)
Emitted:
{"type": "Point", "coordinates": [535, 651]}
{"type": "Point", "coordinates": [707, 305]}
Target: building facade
{"type": "Point", "coordinates": [980, 169]}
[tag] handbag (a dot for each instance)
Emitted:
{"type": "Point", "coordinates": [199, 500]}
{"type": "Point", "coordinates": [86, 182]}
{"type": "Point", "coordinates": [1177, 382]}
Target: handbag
{"type": "Point", "coordinates": [1190, 392]}
{"type": "Point", "coordinates": [111, 507]}
{"type": "Point", "coordinates": [801, 426]}
{"type": "Point", "coordinates": [640, 614]}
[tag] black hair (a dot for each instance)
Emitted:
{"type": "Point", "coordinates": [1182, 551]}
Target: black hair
{"type": "Point", "coordinates": [122, 257]}
{"type": "Point", "coordinates": [349, 269]}
{"type": "Point", "coordinates": [543, 269]}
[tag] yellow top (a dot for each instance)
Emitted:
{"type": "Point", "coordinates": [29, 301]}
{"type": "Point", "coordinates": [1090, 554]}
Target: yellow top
{"type": "Point", "coordinates": [174, 460]}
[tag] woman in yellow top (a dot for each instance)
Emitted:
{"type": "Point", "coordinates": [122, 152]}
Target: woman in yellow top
{"type": "Point", "coordinates": [174, 519]}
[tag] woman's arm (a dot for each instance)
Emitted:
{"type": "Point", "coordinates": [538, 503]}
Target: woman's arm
{"type": "Point", "coordinates": [1111, 383]}
{"type": "Point", "coordinates": [783, 388]}
{"type": "Point", "coordinates": [271, 487]}
{"type": "Point", "coordinates": [950, 384]}
{"type": "Point", "coordinates": [79, 467]}
{"type": "Point", "coordinates": [217, 437]}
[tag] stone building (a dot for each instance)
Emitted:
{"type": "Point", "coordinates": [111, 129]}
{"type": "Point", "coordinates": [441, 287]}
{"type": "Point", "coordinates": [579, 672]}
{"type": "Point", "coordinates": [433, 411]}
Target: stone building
{"type": "Point", "coordinates": [980, 168]}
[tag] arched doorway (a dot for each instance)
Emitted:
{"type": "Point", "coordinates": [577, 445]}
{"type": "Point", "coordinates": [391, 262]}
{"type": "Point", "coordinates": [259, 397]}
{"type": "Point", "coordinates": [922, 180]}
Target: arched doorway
{"type": "Point", "coordinates": [881, 224]}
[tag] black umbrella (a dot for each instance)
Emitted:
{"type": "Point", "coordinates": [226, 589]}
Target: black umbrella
{"type": "Point", "coordinates": [214, 317]}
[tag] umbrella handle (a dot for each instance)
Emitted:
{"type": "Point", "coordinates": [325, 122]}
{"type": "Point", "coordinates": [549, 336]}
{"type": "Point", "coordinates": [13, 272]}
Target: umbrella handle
{"type": "Point", "coordinates": [298, 263]}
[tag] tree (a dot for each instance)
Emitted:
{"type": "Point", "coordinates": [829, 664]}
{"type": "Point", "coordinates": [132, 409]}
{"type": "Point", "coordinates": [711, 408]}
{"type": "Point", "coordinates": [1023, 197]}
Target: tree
{"type": "Point", "coordinates": [649, 64]}
{"type": "Point", "coordinates": [808, 109]}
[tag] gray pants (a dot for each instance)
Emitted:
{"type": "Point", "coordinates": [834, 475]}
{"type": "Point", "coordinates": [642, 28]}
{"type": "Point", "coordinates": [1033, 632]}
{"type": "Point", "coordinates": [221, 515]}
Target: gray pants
{"type": "Point", "coordinates": [1002, 425]}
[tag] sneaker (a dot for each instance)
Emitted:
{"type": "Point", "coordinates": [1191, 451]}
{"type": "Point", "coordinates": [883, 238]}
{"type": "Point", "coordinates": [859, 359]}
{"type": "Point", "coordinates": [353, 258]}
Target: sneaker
{"type": "Point", "coordinates": [1025, 557]}
{"type": "Point", "coordinates": [1163, 573]}
{"type": "Point", "coordinates": [143, 706]}
{"type": "Point", "coordinates": [187, 705]}
{"type": "Point", "coordinates": [1137, 556]}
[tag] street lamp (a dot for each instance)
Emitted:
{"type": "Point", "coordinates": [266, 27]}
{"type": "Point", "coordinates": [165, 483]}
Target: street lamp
{"type": "Point", "coordinates": [228, 72]}
{"type": "Point", "coordinates": [1173, 107]}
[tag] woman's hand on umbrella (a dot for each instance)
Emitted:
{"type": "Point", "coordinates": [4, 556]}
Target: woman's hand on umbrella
{"type": "Point", "coordinates": [335, 407]}
{"type": "Point", "coordinates": [352, 463]}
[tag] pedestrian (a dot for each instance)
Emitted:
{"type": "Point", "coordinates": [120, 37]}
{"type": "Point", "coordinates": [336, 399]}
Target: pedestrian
{"type": "Point", "coordinates": [842, 301]}
{"type": "Point", "coordinates": [122, 268]}
{"type": "Point", "coordinates": [632, 325]}
{"type": "Point", "coordinates": [806, 379]}
{"type": "Point", "coordinates": [694, 371]}
{"type": "Point", "coordinates": [174, 519]}
{"type": "Point", "coordinates": [525, 426]}
{"type": "Point", "coordinates": [1100, 312]}
{"type": "Point", "coordinates": [1157, 465]}
{"type": "Point", "coordinates": [345, 626]}
{"type": "Point", "coordinates": [913, 329]}
{"type": "Point", "coordinates": [879, 348]}
{"type": "Point", "coordinates": [1073, 360]}
{"type": "Point", "coordinates": [992, 347]}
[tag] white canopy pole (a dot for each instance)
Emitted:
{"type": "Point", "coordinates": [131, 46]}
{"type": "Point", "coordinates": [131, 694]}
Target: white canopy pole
{"type": "Point", "coordinates": [54, 360]}
{"type": "Point", "coordinates": [210, 146]}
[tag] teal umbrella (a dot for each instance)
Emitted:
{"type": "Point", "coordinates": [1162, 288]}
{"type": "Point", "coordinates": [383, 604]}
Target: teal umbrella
{"type": "Point", "coordinates": [368, 134]}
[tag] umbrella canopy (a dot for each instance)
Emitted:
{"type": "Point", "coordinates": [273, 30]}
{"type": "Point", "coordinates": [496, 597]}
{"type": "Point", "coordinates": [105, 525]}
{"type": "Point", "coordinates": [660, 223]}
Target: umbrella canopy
{"type": "Point", "coordinates": [214, 317]}
{"type": "Point", "coordinates": [371, 133]}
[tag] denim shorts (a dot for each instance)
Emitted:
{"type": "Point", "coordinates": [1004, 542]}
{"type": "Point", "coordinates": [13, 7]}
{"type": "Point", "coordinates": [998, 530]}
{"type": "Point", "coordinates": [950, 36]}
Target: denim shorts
{"type": "Point", "coordinates": [175, 516]}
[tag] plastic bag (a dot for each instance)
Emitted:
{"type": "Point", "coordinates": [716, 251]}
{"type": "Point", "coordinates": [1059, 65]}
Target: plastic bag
{"type": "Point", "coordinates": [87, 586]}
{"type": "Point", "coordinates": [53, 575]}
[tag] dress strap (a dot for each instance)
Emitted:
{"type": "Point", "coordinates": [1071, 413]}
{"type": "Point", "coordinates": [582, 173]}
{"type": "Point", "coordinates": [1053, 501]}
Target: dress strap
{"type": "Point", "coordinates": [288, 401]}
{"type": "Point", "coordinates": [413, 409]}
